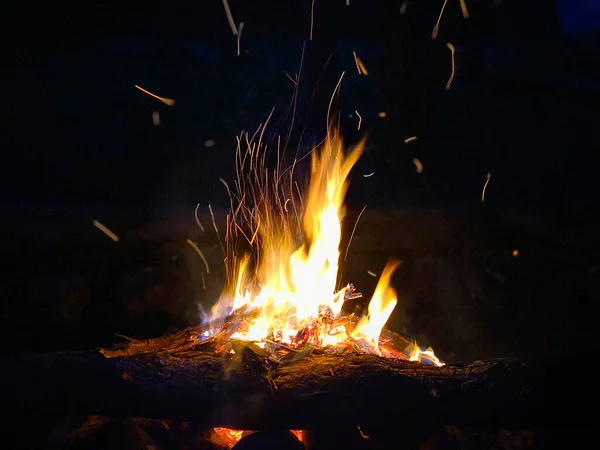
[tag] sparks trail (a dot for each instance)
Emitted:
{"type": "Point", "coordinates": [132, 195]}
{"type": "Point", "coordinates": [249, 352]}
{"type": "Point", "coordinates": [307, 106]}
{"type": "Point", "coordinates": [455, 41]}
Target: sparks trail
{"type": "Point", "coordinates": [197, 219]}
{"type": "Point", "coordinates": [464, 10]}
{"type": "Point", "coordinates": [359, 119]}
{"type": "Point", "coordinates": [418, 165]}
{"type": "Point", "coordinates": [452, 50]}
{"type": "Point", "coordinates": [489, 176]}
{"type": "Point", "coordinates": [436, 28]}
{"type": "Point", "coordinates": [212, 215]}
{"type": "Point", "coordinates": [239, 36]}
{"type": "Point", "coordinates": [230, 20]}
{"type": "Point", "coordinates": [362, 70]}
{"type": "Point", "coordinates": [336, 91]}
{"type": "Point", "coordinates": [312, 18]}
{"type": "Point", "coordinates": [195, 247]}
{"type": "Point", "coordinates": [353, 230]}
{"type": "Point", "coordinates": [105, 230]}
{"type": "Point", "coordinates": [165, 100]}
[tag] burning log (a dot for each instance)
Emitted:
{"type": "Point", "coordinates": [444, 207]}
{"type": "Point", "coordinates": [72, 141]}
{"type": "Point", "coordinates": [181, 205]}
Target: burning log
{"type": "Point", "coordinates": [246, 391]}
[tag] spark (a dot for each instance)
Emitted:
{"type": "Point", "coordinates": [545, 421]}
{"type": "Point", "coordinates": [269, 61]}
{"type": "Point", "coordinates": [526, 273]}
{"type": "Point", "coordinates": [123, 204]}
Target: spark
{"type": "Point", "coordinates": [244, 234]}
{"type": "Point", "coordinates": [463, 8]}
{"type": "Point", "coordinates": [156, 118]}
{"type": "Point", "coordinates": [363, 435]}
{"type": "Point", "coordinates": [359, 119]}
{"type": "Point", "coordinates": [369, 175]}
{"type": "Point", "coordinates": [215, 227]}
{"type": "Point", "coordinates": [373, 274]}
{"type": "Point", "coordinates": [436, 28]}
{"type": "Point", "coordinates": [418, 165]}
{"type": "Point", "coordinates": [203, 282]}
{"type": "Point", "coordinates": [239, 36]}
{"type": "Point", "coordinates": [196, 217]}
{"type": "Point", "coordinates": [410, 139]}
{"type": "Point", "coordinates": [382, 114]}
{"type": "Point", "coordinates": [230, 18]}
{"type": "Point", "coordinates": [353, 230]}
{"type": "Point", "coordinates": [285, 204]}
{"type": "Point", "coordinates": [195, 247]}
{"type": "Point", "coordinates": [166, 101]}
{"type": "Point", "coordinates": [210, 143]}
{"type": "Point", "coordinates": [226, 186]}
{"type": "Point", "coordinates": [515, 252]}
{"type": "Point", "coordinates": [403, 6]}
{"type": "Point", "coordinates": [335, 91]}
{"type": "Point", "coordinates": [106, 231]}
{"type": "Point", "coordinates": [255, 232]}
{"type": "Point", "coordinates": [291, 79]}
{"type": "Point", "coordinates": [362, 70]}
{"type": "Point", "coordinates": [452, 49]}
{"type": "Point", "coordinates": [312, 18]}
{"type": "Point", "coordinates": [489, 176]}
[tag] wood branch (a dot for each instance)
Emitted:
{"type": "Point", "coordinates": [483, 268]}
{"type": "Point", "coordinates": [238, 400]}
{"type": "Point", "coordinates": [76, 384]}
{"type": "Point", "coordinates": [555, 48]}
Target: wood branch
{"type": "Point", "coordinates": [181, 341]}
{"type": "Point", "coordinates": [318, 389]}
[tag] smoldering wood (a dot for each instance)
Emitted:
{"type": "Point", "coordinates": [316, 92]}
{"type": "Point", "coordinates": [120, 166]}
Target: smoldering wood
{"type": "Point", "coordinates": [177, 378]}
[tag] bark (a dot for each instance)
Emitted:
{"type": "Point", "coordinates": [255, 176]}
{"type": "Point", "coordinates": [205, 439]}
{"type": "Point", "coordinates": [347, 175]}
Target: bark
{"type": "Point", "coordinates": [190, 382]}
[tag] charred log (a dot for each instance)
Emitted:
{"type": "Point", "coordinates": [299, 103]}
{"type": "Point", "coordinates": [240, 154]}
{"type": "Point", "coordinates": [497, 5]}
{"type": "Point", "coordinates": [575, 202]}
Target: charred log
{"type": "Point", "coordinates": [245, 392]}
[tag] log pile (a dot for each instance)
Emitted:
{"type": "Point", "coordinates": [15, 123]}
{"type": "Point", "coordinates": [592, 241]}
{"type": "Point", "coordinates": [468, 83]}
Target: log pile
{"type": "Point", "coordinates": [182, 378]}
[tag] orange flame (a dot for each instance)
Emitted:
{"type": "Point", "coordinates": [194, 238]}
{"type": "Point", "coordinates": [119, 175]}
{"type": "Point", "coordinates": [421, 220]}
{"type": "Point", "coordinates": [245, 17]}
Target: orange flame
{"type": "Point", "coordinates": [228, 437]}
{"type": "Point", "coordinates": [381, 306]}
{"type": "Point", "coordinates": [291, 274]}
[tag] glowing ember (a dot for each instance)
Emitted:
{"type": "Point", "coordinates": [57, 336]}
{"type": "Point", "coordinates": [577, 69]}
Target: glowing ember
{"type": "Point", "coordinates": [284, 290]}
{"type": "Point", "coordinates": [228, 437]}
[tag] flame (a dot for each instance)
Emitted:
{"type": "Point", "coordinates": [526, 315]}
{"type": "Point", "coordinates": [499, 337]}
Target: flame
{"type": "Point", "coordinates": [297, 270]}
{"type": "Point", "coordinates": [290, 275]}
{"type": "Point", "coordinates": [381, 306]}
{"type": "Point", "coordinates": [427, 356]}
{"type": "Point", "coordinates": [299, 434]}
{"type": "Point", "coordinates": [228, 437]}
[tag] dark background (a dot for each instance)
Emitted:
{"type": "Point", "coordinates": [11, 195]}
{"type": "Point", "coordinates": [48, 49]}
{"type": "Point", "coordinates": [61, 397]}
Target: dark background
{"type": "Point", "coordinates": [78, 144]}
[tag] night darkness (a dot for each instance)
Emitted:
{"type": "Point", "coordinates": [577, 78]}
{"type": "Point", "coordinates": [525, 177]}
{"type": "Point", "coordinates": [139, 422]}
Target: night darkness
{"type": "Point", "coordinates": [79, 144]}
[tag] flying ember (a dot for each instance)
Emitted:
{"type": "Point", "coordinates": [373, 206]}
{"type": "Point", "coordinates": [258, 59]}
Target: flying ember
{"type": "Point", "coordinates": [282, 288]}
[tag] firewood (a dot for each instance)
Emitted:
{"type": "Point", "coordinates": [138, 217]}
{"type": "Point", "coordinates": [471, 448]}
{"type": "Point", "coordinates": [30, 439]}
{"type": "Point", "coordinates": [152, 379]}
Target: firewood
{"type": "Point", "coordinates": [321, 388]}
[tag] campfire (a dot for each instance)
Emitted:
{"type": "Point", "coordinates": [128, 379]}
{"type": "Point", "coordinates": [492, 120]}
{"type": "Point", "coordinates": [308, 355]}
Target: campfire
{"type": "Point", "coordinates": [283, 296]}
{"type": "Point", "coordinates": [283, 301]}
{"type": "Point", "coordinates": [278, 353]}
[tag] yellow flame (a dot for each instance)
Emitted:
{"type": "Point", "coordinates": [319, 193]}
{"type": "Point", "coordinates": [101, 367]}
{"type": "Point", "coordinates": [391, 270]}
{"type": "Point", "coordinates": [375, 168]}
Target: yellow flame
{"type": "Point", "coordinates": [419, 355]}
{"type": "Point", "coordinates": [289, 278]}
{"type": "Point", "coordinates": [381, 306]}
{"type": "Point", "coordinates": [296, 275]}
